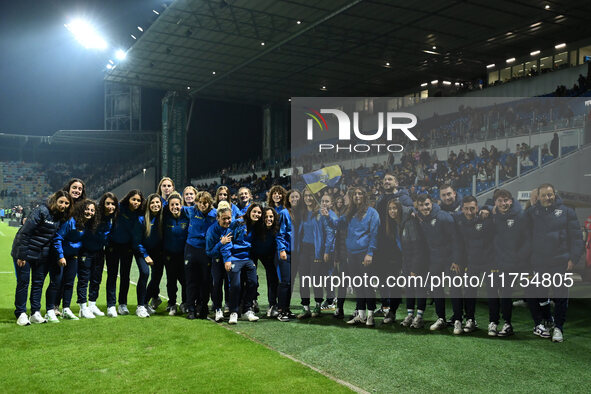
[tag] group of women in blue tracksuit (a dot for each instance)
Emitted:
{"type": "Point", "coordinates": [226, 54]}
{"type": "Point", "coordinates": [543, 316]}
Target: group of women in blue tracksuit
{"type": "Point", "coordinates": [210, 248]}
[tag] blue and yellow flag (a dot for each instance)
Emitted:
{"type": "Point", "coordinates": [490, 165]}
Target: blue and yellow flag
{"type": "Point", "coordinates": [325, 177]}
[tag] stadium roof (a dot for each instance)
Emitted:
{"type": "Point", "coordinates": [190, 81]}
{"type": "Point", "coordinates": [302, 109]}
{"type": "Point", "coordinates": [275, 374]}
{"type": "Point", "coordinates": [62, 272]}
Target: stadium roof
{"type": "Point", "coordinates": [352, 48]}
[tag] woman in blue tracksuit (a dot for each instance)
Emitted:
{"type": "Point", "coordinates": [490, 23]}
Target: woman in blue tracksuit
{"type": "Point", "coordinates": [217, 236]}
{"type": "Point", "coordinates": [244, 200]}
{"type": "Point", "coordinates": [316, 235]}
{"type": "Point", "coordinates": [276, 198]}
{"type": "Point", "coordinates": [68, 245]}
{"type": "Point", "coordinates": [223, 194]}
{"type": "Point", "coordinates": [120, 252]}
{"type": "Point", "coordinates": [236, 257]}
{"type": "Point", "coordinates": [197, 263]}
{"type": "Point", "coordinates": [165, 189]}
{"type": "Point", "coordinates": [175, 224]}
{"type": "Point", "coordinates": [264, 248]}
{"type": "Point", "coordinates": [93, 246]}
{"type": "Point", "coordinates": [34, 257]}
{"type": "Point", "coordinates": [362, 230]}
{"type": "Point", "coordinates": [340, 255]}
{"type": "Point", "coordinates": [189, 195]}
{"type": "Point", "coordinates": [150, 249]}
{"type": "Point", "coordinates": [331, 221]}
{"type": "Point", "coordinates": [285, 241]}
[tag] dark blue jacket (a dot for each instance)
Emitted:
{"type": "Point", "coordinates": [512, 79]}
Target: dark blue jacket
{"type": "Point", "coordinates": [213, 246]}
{"type": "Point", "coordinates": [401, 196]}
{"type": "Point", "coordinates": [454, 207]}
{"type": "Point", "coordinates": [68, 239]}
{"type": "Point", "coordinates": [152, 242]}
{"type": "Point", "coordinates": [414, 257]}
{"type": "Point", "coordinates": [236, 212]}
{"type": "Point", "coordinates": [264, 244]}
{"type": "Point", "coordinates": [286, 233]}
{"type": "Point", "coordinates": [512, 240]}
{"type": "Point", "coordinates": [239, 248]}
{"type": "Point", "coordinates": [34, 240]}
{"type": "Point", "coordinates": [199, 223]}
{"type": "Point", "coordinates": [475, 238]}
{"type": "Point", "coordinates": [97, 240]}
{"type": "Point", "coordinates": [362, 234]}
{"type": "Point", "coordinates": [440, 235]}
{"type": "Point", "coordinates": [242, 211]}
{"type": "Point", "coordinates": [556, 237]}
{"type": "Point", "coordinates": [127, 226]}
{"type": "Point", "coordinates": [174, 232]}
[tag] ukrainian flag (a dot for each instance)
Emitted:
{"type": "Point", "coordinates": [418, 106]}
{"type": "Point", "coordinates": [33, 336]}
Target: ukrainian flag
{"type": "Point", "coordinates": [325, 177]}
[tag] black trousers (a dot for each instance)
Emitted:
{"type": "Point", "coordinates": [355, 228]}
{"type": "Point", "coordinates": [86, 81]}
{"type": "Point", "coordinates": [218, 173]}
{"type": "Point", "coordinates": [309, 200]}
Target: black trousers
{"type": "Point", "coordinates": [198, 277]}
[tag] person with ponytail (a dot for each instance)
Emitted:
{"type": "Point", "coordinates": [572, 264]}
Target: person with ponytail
{"type": "Point", "coordinates": [165, 189]}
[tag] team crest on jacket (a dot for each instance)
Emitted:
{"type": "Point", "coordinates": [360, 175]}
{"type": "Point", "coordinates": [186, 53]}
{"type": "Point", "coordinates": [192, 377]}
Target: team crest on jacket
{"type": "Point", "coordinates": [510, 222]}
{"type": "Point", "coordinates": [557, 212]}
{"type": "Point", "coordinates": [433, 222]}
{"type": "Point", "coordinates": [478, 226]}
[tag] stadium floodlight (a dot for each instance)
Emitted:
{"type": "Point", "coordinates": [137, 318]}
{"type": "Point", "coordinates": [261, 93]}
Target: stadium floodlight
{"type": "Point", "coordinates": [434, 82]}
{"type": "Point", "coordinates": [534, 53]}
{"type": "Point", "coordinates": [560, 46]}
{"type": "Point", "coordinates": [140, 28]}
{"type": "Point", "coordinates": [424, 84]}
{"type": "Point", "coordinates": [134, 37]}
{"type": "Point", "coordinates": [156, 12]}
{"type": "Point", "coordinates": [86, 34]}
{"type": "Point", "coordinates": [490, 65]}
{"type": "Point", "coordinates": [511, 60]}
{"type": "Point", "coordinates": [299, 23]}
{"type": "Point", "coordinates": [547, 6]}
{"type": "Point", "coordinates": [109, 66]}
{"type": "Point", "coordinates": [447, 83]}
{"type": "Point", "coordinates": [120, 54]}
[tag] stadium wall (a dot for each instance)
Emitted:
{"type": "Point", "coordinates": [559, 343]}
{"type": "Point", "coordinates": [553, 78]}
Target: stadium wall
{"type": "Point", "coordinates": [144, 182]}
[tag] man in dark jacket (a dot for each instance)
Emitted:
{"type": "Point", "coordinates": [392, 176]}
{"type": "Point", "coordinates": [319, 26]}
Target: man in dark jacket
{"type": "Point", "coordinates": [449, 199]}
{"type": "Point", "coordinates": [557, 245]}
{"type": "Point", "coordinates": [475, 235]}
{"type": "Point", "coordinates": [440, 234]}
{"type": "Point", "coordinates": [511, 252]}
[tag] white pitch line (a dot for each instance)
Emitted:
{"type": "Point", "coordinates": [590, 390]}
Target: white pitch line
{"type": "Point", "coordinates": [10, 272]}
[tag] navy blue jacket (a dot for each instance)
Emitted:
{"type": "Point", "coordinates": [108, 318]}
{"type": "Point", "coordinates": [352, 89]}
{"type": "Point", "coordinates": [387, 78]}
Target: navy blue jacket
{"type": "Point", "coordinates": [264, 244]}
{"type": "Point", "coordinates": [97, 240]}
{"type": "Point", "coordinates": [154, 241]}
{"type": "Point", "coordinates": [199, 223]}
{"type": "Point", "coordinates": [175, 232]}
{"type": "Point", "coordinates": [475, 238]}
{"type": "Point", "coordinates": [68, 239]}
{"type": "Point", "coordinates": [127, 226]}
{"type": "Point", "coordinates": [440, 235]}
{"type": "Point", "coordinates": [454, 207]}
{"type": "Point", "coordinates": [362, 234]}
{"type": "Point", "coordinates": [323, 232]}
{"type": "Point", "coordinates": [411, 238]}
{"type": "Point", "coordinates": [512, 239]}
{"type": "Point", "coordinates": [556, 237]}
{"type": "Point", "coordinates": [34, 240]}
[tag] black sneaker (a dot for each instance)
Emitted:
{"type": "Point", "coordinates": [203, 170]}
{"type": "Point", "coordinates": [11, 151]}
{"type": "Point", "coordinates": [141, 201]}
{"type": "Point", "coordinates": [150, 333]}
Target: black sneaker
{"type": "Point", "coordinates": [203, 313]}
{"type": "Point", "coordinates": [506, 331]}
{"type": "Point", "coordinates": [284, 317]}
{"type": "Point", "coordinates": [338, 314]}
{"type": "Point", "coordinates": [191, 315]}
{"type": "Point", "coordinates": [291, 315]}
{"type": "Point", "coordinates": [255, 306]}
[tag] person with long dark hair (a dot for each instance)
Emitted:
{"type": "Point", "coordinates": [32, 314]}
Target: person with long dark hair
{"type": "Point", "coordinates": [76, 188]}
{"type": "Point", "coordinates": [264, 248]}
{"type": "Point", "coordinates": [197, 264]}
{"type": "Point", "coordinates": [94, 243]}
{"type": "Point", "coordinates": [33, 255]}
{"type": "Point", "coordinates": [362, 230]}
{"type": "Point", "coordinates": [285, 241]}
{"type": "Point", "coordinates": [119, 253]}
{"type": "Point", "coordinates": [150, 249]}
{"type": "Point", "coordinates": [276, 198]}
{"type": "Point", "coordinates": [175, 224]}
{"type": "Point", "coordinates": [68, 244]}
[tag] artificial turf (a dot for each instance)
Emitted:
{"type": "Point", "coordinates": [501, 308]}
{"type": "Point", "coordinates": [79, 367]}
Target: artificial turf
{"type": "Point", "coordinates": [172, 354]}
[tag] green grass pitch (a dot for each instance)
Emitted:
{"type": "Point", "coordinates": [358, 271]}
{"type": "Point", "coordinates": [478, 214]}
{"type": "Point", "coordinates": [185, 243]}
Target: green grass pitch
{"type": "Point", "coordinates": [172, 354]}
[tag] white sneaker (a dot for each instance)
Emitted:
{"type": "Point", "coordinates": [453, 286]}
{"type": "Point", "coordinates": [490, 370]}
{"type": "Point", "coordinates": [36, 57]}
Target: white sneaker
{"type": "Point", "coordinates": [23, 320]}
{"type": "Point", "coordinates": [407, 321]}
{"type": "Point", "coordinates": [36, 318]}
{"type": "Point", "coordinates": [94, 309]}
{"type": "Point", "coordinates": [470, 325]}
{"type": "Point", "coordinates": [557, 335]}
{"type": "Point", "coordinates": [171, 310]}
{"type": "Point", "coordinates": [369, 321]}
{"type": "Point", "coordinates": [417, 322]}
{"type": "Point", "coordinates": [438, 325]}
{"type": "Point", "coordinates": [141, 311]}
{"type": "Point", "coordinates": [122, 309]}
{"type": "Point", "coordinates": [389, 318]}
{"type": "Point", "coordinates": [150, 310]}
{"type": "Point", "coordinates": [458, 327]}
{"type": "Point", "coordinates": [112, 311]}
{"type": "Point", "coordinates": [251, 316]}
{"type": "Point", "coordinates": [272, 311]}
{"type": "Point", "coordinates": [492, 329]}
{"type": "Point", "coordinates": [68, 314]}
{"type": "Point", "coordinates": [51, 317]}
{"type": "Point", "coordinates": [219, 315]}
{"type": "Point", "coordinates": [85, 313]}
{"type": "Point", "coordinates": [233, 318]}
